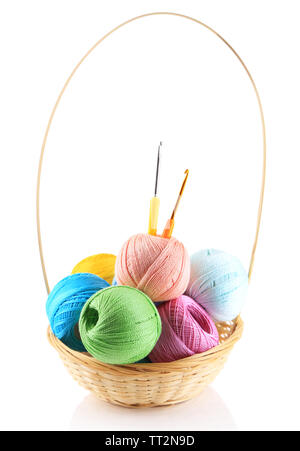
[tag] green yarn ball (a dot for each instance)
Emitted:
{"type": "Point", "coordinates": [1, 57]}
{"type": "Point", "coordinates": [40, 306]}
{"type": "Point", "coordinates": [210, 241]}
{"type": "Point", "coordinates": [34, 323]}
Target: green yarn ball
{"type": "Point", "coordinates": [119, 325]}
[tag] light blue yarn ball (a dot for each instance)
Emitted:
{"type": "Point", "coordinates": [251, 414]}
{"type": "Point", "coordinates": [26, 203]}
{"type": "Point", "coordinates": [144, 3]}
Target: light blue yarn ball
{"type": "Point", "coordinates": [65, 302]}
{"type": "Point", "coordinates": [114, 282]}
{"type": "Point", "coordinates": [218, 283]}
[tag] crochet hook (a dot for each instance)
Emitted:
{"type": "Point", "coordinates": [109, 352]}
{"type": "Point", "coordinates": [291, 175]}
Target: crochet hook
{"type": "Point", "coordinates": [155, 202]}
{"type": "Point", "coordinates": [168, 230]}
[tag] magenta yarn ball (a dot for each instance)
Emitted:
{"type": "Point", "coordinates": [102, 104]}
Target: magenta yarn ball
{"type": "Point", "coordinates": [187, 329]}
{"type": "Point", "coordinates": [160, 267]}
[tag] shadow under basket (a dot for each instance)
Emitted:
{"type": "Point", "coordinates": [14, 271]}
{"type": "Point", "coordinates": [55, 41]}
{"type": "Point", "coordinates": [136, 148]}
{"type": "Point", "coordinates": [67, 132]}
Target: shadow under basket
{"type": "Point", "coordinates": [150, 384]}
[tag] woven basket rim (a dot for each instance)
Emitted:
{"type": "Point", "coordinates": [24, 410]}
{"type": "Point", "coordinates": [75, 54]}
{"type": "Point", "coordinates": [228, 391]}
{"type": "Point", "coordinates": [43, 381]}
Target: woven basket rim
{"type": "Point", "coordinates": [191, 361]}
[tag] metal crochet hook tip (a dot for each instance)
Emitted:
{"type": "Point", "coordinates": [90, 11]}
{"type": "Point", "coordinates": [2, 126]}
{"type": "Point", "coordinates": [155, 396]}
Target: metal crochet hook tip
{"type": "Point", "coordinates": [157, 170]}
{"type": "Point", "coordinates": [180, 193]}
{"type": "Point", "coordinates": [184, 182]}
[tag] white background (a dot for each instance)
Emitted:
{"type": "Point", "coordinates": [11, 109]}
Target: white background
{"type": "Point", "coordinates": [161, 78]}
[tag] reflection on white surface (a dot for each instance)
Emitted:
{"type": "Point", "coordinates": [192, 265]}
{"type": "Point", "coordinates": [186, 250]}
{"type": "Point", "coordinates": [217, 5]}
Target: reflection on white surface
{"type": "Point", "coordinates": [205, 412]}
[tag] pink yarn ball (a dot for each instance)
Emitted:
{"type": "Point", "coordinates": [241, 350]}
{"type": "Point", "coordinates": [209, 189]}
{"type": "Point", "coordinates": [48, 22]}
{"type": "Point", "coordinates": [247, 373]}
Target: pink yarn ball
{"type": "Point", "coordinates": [160, 267]}
{"type": "Point", "coordinates": [186, 330]}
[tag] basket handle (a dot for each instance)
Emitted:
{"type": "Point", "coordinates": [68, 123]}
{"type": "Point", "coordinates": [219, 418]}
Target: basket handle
{"type": "Point", "coordinates": [67, 83]}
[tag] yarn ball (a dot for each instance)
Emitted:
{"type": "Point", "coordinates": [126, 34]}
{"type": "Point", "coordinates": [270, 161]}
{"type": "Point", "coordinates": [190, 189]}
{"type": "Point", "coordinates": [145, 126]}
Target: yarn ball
{"type": "Point", "coordinates": [187, 329]}
{"type": "Point", "coordinates": [119, 325]}
{"type": "Point", "coordinates": [103, 265]}
{"type": "Point", "coordinates": [218, 283]}
{"type": "Point", "coordinates": [65, 302]}
{"type": "Point", "coordinates": [160, 267]}
{"type": "Point", "coordinates": [114, 282]}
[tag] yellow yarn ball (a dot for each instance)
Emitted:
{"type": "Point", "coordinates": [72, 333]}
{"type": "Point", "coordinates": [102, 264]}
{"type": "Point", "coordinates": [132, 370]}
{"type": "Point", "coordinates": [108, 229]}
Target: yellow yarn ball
{"type": "Point", "coordinates": [103, 265]}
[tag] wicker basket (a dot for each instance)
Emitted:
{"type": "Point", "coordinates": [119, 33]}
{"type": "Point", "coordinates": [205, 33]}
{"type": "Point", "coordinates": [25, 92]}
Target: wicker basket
{"type": "Point", "coordinates": [150, 384]}
{"type": "Point", "coordinates": [154, 384]}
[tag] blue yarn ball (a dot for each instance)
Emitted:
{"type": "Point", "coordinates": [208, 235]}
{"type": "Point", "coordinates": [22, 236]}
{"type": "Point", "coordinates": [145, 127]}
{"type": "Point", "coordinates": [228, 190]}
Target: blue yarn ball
{"type": "Point", "coordinates": [65, 302]}
{"type": "Point", "coordinates": [218, 283]}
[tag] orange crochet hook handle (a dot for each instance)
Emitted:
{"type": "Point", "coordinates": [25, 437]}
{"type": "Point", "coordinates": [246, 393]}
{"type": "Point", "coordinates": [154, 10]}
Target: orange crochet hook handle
{"type": "Point", "coordinates": [168, 230]}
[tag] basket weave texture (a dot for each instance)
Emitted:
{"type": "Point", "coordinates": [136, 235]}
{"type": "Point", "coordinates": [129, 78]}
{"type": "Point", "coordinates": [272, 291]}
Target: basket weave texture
{"type": "Point", "coordinates": [150, 384]}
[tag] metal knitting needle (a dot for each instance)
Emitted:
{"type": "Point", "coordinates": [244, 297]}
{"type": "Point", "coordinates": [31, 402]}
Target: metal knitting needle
{"type": "Point", "coordinates": [155, 202]}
